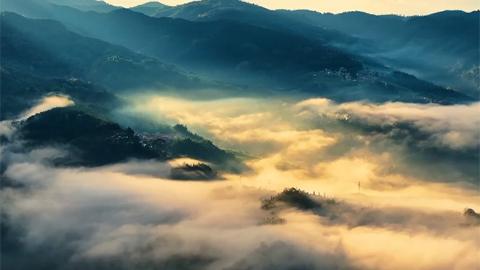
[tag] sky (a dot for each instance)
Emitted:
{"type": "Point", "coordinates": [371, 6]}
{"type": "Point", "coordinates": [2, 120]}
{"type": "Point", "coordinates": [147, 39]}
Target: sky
{"type": "Point", "coordinates": [400, 7]}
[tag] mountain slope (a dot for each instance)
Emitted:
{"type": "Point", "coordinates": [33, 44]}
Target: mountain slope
{"type": "Point", "coordinates": [46, 48]}
{"type": "Point", "coordinates": [234, 52]}
{"type": "Point", "coordinates": [442, 47]}
{"type": "Point", "coordinates": [86, 5]}
{"type": "Point", "coordinates": [460, 27]}
{"type": "Point", "coordinates": [243, 12]}
{"type": "Point", "coordinates": [41, 8]}
{"type": "Point", "coordinates": [220, 43]}
{"type": "Point", "coordinates": [94, 141]}
{"type": "Point", "coordinates": [262, 59]}
{"type": "Point", "coordinates": [91, 141]}
{"type": "Point", "coordinates": [20, 91]}
{"type": "Point", "coordinates": [150, 8]}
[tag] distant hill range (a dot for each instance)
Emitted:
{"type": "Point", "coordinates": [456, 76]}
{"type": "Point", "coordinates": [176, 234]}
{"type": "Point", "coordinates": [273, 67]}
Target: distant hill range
{"type": "Point", "coordinates": [247, 47]}
{"type": "Point", "coordinates": [443, 46]}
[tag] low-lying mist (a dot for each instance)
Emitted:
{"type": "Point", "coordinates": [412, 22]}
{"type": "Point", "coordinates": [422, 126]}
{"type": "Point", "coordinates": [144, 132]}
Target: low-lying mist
{"type": "Point", "coordinates": [389, 184]}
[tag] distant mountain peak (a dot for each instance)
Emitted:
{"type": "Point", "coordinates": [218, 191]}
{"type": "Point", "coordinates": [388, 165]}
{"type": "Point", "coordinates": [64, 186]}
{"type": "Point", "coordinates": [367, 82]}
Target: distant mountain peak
{"type": "Point", "coordinates": [87, 5]}
{"type": "Point", "coordinates": [220, 3]}
{"type": "Point", "coordinates": [150, 8]}
{"type": "Point", "coordinates": [224, 1]}
{"type": "Point", "coordinates": [152, 4]}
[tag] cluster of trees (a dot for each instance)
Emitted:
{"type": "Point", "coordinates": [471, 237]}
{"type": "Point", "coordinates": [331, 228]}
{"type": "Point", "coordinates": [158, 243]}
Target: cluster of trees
{"type": "Point", "coordinates": [292, 197]}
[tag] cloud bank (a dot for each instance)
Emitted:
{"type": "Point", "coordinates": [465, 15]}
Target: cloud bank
{"type": "Point", "coordinates": [376, 210]}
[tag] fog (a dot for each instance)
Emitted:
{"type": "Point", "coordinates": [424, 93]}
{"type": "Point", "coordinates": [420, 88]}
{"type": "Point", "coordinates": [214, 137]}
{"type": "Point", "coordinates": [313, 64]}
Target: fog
{"type": "Point", "coordinates": [47, 103]}
{"type": "Point", "coordinates": [388, 213]}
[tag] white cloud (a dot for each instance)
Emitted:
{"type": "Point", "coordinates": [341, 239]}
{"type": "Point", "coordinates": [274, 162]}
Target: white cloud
{"type": "Point", "coordinates": [454, 126]}
{"type": "Point", "coordinates": [128, 216]}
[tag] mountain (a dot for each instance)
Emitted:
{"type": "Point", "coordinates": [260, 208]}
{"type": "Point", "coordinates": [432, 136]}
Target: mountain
{"type": "Point", "coordinates": [20, 91]}
{"type": "Point", "coordinates": [389, 29]}
{"type": "Point", "coordinates": [46, 48]}
{"type": "Point", "coordinates": [237, 52]}
{"type": "Point", "coordinates": [91, 141]}
{"type": "Point", "coordinates": [243, 12]}
{"type": "Point", "coordinates": [30, 7]}
{"type": "Point", "coordinates": [196, 9]}
{"type": "Point", "coordinates": [419, 29]}
{"type": "Point", "coordinates": [94, 141]}
{"type": "Point", "coordinates": [441, 47]}
{"type": "Point", "coordinates": [259, 58]}
{"type": "Point", "coordinates": [86, 5]}
{"type": "Point", "coordinates": [150, 8]}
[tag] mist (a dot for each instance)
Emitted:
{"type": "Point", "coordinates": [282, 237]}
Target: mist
{"type": "Point", "coordinates": [132, 214]}
{"type": "Point", "coordinates": [222, 135]}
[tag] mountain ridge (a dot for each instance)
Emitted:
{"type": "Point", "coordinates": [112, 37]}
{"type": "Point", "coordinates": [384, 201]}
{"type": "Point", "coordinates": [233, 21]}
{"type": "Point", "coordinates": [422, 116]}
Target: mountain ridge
{"type": "Point", "coordinates": [86, 58]}
{"type": "Point", "coordinates": [258, 57]}
{"type": "Point", "coordinates": [406, 43]}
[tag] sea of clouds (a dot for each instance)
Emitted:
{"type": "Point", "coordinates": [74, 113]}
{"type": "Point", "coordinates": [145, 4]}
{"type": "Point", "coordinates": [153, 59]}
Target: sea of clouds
{"type": "Point", "coordinates": [400, 174]}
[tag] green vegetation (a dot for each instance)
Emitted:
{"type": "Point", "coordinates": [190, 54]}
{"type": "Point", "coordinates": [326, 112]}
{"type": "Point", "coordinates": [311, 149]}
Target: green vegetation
{"type": "Point", "coordinates": [199, 171]}
{"type": "Point", "coordinates": [94, 141]}
{"type": "Point", "coordinates": [291, 197]}
{"type": "Point", "coordinates": [20, 91]}
{"type": "Point", "coordinates": [47, 49]}
{"type": "Point", "coordinates": [91, 141]}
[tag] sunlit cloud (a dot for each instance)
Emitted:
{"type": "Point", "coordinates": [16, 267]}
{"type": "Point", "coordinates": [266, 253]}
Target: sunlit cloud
{"type": "Point", "coordinates": [48, 103]}
{"type": "Point", "coordinates": [131, 215]}
{"type": "Point", "coordinates": [99, 216]}
{"type": "Point", "coordinates": [289, 146]}
{"type": "Point", "coordinates": [454, 126]}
